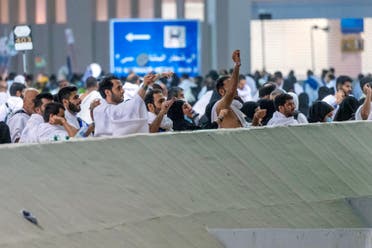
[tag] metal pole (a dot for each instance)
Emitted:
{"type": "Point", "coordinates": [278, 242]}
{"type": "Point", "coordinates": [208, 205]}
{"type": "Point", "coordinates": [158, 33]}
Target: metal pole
{"type": "Point", "coordinates": [24, 62]}
{"type": "Point", "coordinates": [312, 49]}
{"type": "Point", "coordinates": [263, 45]}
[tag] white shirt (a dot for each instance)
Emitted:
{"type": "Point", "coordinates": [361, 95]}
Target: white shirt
{"type": "Point", "coordinates": [279, 119]}
{"type": "Point", "coordinates": [358, 115]}
{"type": "Point", "coordinates": [245, 93]}
{"type": "Point", "coordinates": [331, 100]}
{"type": "Point", "coordinates": [84, 113]}
{"type": "Point", "coordinates": [130, 90]}
{"type": "Point", "coordinates": [202, 103]}
{"type": "Point", "coordinates": [129, 117]}
{"type": "Point", "coordinates": [29, 133]}
{"type": "Point", "coordinates": [125, 118]}
{"type": "Point", "coordinates": [102, 121]}
{"type": "Point", "coordinates": [14, 103]}
{"type": "Point", "coordinates": [72, 119]}
{"type": "Point", "coordinates": [3, 97]}
{"type": "Point", "coordinates": [166, 122]}
{"type": "Point", "coordinates": [16, 125]}
{"type": "Point", "coordinates": [47, 132]}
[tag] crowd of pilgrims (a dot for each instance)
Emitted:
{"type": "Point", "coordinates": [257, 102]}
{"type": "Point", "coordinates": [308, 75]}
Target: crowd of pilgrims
{"type": "Point", "coordinates": [35, 111]}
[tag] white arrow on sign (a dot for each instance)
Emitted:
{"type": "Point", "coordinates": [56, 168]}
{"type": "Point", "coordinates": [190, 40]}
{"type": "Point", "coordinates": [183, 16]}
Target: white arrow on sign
{"type": "Point", "coordinates": [131, 37]}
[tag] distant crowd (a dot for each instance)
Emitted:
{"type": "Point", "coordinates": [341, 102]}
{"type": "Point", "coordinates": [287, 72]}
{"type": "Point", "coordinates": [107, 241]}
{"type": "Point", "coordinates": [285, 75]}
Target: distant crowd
{"type": "Point", "coordinates": [47, 110]}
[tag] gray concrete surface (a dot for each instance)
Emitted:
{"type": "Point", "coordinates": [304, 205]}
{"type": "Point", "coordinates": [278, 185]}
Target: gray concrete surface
{"type": "Point", "coordinates": [294, 238]}
{"type": "Point", "coordinates": [166, 190]}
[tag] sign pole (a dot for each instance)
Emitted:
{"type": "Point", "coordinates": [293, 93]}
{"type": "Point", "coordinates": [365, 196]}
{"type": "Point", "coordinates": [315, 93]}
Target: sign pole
{"type": "Point", "coordinates": [24, 62]}
{"type": "Point", "coordinates": [23, 42]}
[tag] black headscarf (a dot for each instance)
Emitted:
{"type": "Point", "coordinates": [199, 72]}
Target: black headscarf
{"type": "Point", "coordinates": [318, 111]}
{"type": "Point", "coordinates": [175, 113]}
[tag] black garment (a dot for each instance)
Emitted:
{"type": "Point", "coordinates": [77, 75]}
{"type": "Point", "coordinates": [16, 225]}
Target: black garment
{"type": "Point", "coordinates": [270, 109]}
{"type": "Point", "coordinates": [175, 113]}
{"type": "Point", "coordinates": [249, 109]}
{"type": "Point", "coordinates": [4, 133]}
{"type": "Point", "coordinates": [346, 110]}
{"type": "Point", "coordinates": [318, 111]}
{"type": "Point", "coordinates": [303, 103]}
{"type": "Point", "coordinates": [323, 92]}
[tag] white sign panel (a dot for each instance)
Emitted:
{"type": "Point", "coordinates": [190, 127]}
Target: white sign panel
{"type": "Point", "coordinates": [22, 38]}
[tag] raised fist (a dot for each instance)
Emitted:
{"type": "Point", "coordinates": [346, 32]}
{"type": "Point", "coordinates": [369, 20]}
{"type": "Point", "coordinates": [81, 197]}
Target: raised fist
{"type": "Point", "coordinates": [236, 57]}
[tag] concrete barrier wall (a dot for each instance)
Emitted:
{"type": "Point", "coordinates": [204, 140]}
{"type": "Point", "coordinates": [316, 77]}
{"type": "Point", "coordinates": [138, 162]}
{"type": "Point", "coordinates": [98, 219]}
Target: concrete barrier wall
{"type": "Point", "coordinates": [166, 190]}
{"type": "Point", "coordinates": [290, 238]}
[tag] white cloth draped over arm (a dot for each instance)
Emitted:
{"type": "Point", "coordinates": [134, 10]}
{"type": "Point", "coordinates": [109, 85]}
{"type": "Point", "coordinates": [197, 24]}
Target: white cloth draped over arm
{"type": "Point", "coordinates": [130, 117]}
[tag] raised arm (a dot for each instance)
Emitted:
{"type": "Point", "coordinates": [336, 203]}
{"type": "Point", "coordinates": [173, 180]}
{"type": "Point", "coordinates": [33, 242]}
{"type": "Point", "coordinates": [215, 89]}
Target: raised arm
{"type": "Point", "coordinates": [232, 85]}
{"type": "Point", "coordinates": [149, 79]}
{"type": "Point", "coordinates": [57, 120]}
{"type": "Point", "coordinates": [155, 125]}
{"type": "Point", "coordinates": [366, 108]}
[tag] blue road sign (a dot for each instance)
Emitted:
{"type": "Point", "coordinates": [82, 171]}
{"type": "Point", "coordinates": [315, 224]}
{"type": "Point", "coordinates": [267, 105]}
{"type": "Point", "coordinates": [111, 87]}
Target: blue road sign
{"type": "Point", "coordinates": [144, 45]}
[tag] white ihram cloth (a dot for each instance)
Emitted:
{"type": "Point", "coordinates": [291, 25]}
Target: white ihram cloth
{"type": "Point", "coordinates": [235, 107]}
{"type": "Point", "coordinates": [47, 132]}
{"type": "Point", "coordinates": [3, 97]}
{"type": "Point", "coordinates": [202, 103]}
{"type": "Point", "coordinates": [14, 103]}
{"type": "Point", "coordinates": [166, 122]}
{"type": "Point", "coordinates": [130, 90]}
{"type": "Point", "coordinates": [358, 114]}
{"type": "Point", "coordinates": [16, 125]}
{"type": "Point", "coordinates": [72, 119]}
{"type": "Point", "coordinates": [245, 93]}
{"type": "Point", "coordinates": [29, 133]}
{"type": "Point", "coordinates": [130, 117]}
{"type": "Point", "coordinates": [125, 118]}
{"type": "Point", "coordinates": [279, 119]}
{"type": "Point", "coordinates": [84, 113]}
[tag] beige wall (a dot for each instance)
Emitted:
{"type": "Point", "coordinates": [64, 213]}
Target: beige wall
{"type": "Point", "coordinates": [288, 46]}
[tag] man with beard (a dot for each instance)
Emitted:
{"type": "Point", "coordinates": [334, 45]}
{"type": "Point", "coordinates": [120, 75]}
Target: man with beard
{"type": "Point", "coordinates": [227, 88]}
{"type": "Point", "coordinates": [29, 133]}
{"type": "Point", "coordinates": [344, 89]}
{"type": "Point", "coordinates": [70, 100]}
{"type": "Point", "coordinates": [285, 110]}
{"type": "Point", "coordinates": [18, 120]}
{"type": "Point", "coordinates": [157, 108]}
{"type": "Point", "coordinates": [114, 117]}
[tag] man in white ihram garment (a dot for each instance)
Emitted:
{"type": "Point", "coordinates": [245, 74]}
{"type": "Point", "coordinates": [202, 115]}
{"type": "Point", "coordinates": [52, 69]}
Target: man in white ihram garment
{"type": "Point", "coordinates": [29, 133]}
{"type": "Point", "coordinates": [18, 120]}
{"type": "Point", "coordinates": [227, 87]}
{"type": "Point", "coordinates": [87, 98]}
{"type": "Point", "coordinates": [69, 98]}
{"type": "Point", "coordinates": [285, 110]}
{"type": "Point", "coordinates": [114, 117]}
{"type": "Point", "coordinates": [55, 126]}
{"type": "Point", "coordinates": [14, 101]}
{"type": "Point", "coordinates": [3, 92]}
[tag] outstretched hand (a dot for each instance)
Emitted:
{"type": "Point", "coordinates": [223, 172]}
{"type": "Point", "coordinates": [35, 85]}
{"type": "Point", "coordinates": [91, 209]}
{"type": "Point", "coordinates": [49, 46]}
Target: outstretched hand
{"type": "Point", "coordinates": [165, 106]}
{"type": "Point", "coordinates": [166, 74]}
{"type": "Point", "coordinates": [149, 79]}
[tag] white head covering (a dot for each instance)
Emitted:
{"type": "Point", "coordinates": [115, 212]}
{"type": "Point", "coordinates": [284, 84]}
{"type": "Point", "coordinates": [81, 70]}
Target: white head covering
{"type": "Point", "coordinates": [295, 99]}
{"type": "Point", "coordinates": [19, 79]}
